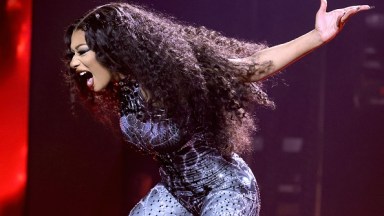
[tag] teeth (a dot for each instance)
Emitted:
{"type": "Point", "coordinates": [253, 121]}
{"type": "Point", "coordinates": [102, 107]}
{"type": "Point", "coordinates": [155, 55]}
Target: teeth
{"type": "Point", "coordinates": [82, 73]}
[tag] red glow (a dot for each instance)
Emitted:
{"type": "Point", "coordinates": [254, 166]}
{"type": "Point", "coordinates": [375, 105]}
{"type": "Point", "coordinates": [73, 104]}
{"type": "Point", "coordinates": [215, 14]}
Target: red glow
{"type": "Point", "coordinates": [14, 5]}
{"type": "Point", "coordinates": [14, 92]}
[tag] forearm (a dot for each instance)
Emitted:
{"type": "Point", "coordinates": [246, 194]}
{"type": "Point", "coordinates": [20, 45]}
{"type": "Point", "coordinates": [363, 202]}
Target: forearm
{"type": "Point", "coordinates": [283, 55]}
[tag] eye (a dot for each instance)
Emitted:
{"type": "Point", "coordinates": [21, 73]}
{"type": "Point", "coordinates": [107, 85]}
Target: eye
{"type": "Point", "coordinates": [82, 51]}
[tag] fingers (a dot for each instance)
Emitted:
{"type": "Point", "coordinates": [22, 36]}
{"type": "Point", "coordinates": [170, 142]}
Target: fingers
{"type": "Point", "coordinates": [347, 14]}
{"type": "Point", "coordinates": [349, 11]}
{"type": "Point", "coordinates": [339, 23]}
{"type": "Point", "coordinates": [358, 7]}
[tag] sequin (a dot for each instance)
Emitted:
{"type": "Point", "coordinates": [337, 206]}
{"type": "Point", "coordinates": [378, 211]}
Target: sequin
{"type": "Point", "coordinates": [195, 178]}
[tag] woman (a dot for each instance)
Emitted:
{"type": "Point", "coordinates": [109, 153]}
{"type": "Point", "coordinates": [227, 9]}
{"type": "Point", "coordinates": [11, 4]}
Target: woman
{"type": "Point", "coordinates": [182, 95]}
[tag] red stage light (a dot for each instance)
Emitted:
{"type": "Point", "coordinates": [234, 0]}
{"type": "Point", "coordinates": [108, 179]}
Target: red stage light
{"type": "Point", "coordinates": [14, 93]}
{"type": "Point", "coordinates": [14, 5]}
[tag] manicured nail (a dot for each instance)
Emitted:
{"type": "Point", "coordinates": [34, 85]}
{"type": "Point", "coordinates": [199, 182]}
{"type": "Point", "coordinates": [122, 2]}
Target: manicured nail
{"type": "Point", "coordinates": [371, 7]}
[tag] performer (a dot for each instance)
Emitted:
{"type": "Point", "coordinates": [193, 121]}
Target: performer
{"type": "Point", "coordinates": [182, 95]}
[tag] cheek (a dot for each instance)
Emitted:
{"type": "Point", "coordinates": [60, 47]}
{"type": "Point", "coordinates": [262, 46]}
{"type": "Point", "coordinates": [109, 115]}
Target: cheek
{"type": "Point", "coordinates": [107, 76]}
{"type": "Point", "coordinates": [101, 80]}
{"type": "Point", "coordinates": [103, 75]}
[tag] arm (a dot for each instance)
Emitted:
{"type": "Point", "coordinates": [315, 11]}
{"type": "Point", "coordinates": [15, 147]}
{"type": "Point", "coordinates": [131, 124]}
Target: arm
{"type": "Point", "coordinates": [328, 25]}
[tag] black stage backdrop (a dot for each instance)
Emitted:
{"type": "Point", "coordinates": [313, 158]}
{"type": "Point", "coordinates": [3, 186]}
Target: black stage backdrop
{"type": "Point", "coordinates": [78, 167]}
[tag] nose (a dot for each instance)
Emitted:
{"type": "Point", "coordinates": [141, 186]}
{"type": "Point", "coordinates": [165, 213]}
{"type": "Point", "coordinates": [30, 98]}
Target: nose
{"type": "Point", "coordinates": [74, 62]}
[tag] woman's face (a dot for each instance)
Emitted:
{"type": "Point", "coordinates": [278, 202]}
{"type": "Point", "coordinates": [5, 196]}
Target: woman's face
{"type": "Point", "coordinates": [85, 64]}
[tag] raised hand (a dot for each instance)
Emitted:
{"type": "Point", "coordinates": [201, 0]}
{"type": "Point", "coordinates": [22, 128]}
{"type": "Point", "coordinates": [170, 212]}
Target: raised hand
{"type": "Point", "coordinates": [329, 24]}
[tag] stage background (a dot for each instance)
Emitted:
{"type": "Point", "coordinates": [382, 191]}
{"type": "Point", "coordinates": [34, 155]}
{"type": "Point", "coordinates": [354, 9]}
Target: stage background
{"type": "Point", "coordinates": [78, 167]}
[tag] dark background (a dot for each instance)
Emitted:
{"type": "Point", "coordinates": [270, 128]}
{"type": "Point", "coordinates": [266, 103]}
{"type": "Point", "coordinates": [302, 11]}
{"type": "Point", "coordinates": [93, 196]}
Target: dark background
{"type": "Point", "coordinates": [78, 167]}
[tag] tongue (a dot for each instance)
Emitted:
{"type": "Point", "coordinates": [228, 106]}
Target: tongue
{"type": "Point", "coordinates": [90, 82]}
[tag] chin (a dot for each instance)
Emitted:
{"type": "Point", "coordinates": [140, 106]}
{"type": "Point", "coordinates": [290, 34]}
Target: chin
{"type": "Point", "coordinates": [98, 88]}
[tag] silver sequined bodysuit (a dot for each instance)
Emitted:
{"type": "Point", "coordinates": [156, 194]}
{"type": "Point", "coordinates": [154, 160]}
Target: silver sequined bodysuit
{"type": "Point", "coordinates": [195, 178]}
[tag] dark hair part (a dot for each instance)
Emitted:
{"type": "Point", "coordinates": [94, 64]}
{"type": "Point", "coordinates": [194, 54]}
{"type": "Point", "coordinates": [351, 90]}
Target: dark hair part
{"type": "Point", "coordinates": [185, 68]}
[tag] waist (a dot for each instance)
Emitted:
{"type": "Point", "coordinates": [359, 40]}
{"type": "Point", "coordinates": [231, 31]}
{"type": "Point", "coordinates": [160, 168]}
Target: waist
{"type": "Point", "coordinates": [202, 170]}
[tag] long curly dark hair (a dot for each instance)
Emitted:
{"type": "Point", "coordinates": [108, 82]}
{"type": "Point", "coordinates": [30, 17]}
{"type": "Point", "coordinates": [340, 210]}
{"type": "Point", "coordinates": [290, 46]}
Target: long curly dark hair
{"type": "Point", "coordinates": [185, 68]}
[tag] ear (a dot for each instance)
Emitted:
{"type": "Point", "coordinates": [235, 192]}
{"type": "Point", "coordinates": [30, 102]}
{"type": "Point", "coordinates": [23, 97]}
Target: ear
{"type": "Point", "coordinates": [117, 76]}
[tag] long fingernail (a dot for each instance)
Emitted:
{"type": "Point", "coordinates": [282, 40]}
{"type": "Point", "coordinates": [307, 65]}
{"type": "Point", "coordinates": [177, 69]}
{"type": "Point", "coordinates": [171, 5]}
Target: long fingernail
{"type": "Point", "coordinates": [371, 7]}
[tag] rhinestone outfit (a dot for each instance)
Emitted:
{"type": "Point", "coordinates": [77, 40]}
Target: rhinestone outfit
{"type": "Point", "coordinates": [195, 178]}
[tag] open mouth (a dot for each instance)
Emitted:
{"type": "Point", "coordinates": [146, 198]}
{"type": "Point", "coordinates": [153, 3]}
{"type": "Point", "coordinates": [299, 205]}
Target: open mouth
{"type": "Point", "coordinates": [87, 77]}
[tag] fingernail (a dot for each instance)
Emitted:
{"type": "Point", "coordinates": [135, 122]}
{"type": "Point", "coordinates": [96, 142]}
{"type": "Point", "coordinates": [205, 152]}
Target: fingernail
{"type": "Point", "coordinates": [371, 7]}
